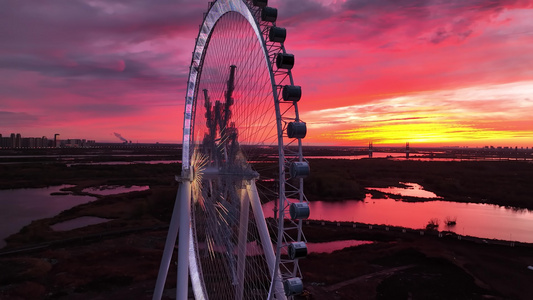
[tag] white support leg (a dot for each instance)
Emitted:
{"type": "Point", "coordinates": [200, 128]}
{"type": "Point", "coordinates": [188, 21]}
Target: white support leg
{"type": "Point", "coordinates": [183, 248]}
{"type": "Point", "coordinates": [169, 248]}
{"type": "Point", "coordinates": [265, 237]}
{"type": "Point", "coordinates": [243, 233]}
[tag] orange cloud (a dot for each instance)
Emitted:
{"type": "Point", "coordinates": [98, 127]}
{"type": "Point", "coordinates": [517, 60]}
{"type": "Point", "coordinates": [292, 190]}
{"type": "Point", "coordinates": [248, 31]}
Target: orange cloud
{"type": "Point", "coordinates": [475, 114]}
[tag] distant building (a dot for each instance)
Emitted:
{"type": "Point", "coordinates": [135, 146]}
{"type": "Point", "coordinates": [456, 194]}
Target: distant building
{"type": "Point", "coordinates": [57, 141]}
{"type": "Point", "coordinates": [18, 141]}
{"type": "Point", "coordinates": [26, 142]}
{"type": "Point", "coordinates": [73, 143]}
{"type": "Point", "coordinates": [77, 143]}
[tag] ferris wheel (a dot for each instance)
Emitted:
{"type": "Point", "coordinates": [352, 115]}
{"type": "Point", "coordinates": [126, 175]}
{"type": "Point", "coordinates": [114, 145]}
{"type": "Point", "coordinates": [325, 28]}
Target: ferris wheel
{"type": "Point", "coordinates": [242, 148]}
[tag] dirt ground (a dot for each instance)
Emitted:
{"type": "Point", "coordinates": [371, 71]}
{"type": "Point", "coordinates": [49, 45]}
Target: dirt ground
{"type": "Point", "coordinates": [393, 267]}
{"type": "Point", "coordinates": [410, 266]}
{"type": "Point", "coordinates": [90, 263]}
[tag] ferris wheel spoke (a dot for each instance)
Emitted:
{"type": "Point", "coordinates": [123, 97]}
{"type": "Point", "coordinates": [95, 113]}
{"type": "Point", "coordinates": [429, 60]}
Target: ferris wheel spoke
{"type": "Point", "coordinates": [240, 128]}
{"type": "Point", "coordinates": [265, 240]}
{"type": "Point", "coordinates": [243, 233]}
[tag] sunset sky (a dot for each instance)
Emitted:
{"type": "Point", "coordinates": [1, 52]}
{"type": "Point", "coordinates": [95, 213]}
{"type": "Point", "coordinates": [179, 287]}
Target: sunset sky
{"type": "Point", "coordinates": [428, 72]}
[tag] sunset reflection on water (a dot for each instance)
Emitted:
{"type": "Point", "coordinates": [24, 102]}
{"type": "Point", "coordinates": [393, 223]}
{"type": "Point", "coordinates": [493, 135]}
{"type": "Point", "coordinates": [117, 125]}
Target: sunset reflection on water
{"type": "Point", "coordinates": [480, 220]}
{"type": "Point", "coordinates": [412, 190]}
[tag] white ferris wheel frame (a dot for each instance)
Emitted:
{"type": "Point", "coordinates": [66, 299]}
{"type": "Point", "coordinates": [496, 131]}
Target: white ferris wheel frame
{"type": "Point", "coordinates": [282, 268]}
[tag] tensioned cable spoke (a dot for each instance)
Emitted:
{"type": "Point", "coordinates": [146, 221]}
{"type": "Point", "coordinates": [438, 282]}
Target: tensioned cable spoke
{"type": "Point", "coordinates": [217, 222]}
{"type": "Point", "coordinates": [238, 129]}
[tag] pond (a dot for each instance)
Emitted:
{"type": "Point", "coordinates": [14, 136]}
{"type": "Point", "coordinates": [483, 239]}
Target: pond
{"type": "Point", "coordinates": [411, 190]}
{"type": "Point", "coordinates": [148, 162]}
{"type": "Point", "coordinates": [21, 206]}
{"type": "Point", "coordinates": [479, 220]}
{"type": "Point", "coordinates": [374, 155]}
{"type": "Point", "coordinates": [329, 247]}
{"type": "Point", "coordinates": [255, 248]}
{"type": "Point", "coordinates": [105, 190]}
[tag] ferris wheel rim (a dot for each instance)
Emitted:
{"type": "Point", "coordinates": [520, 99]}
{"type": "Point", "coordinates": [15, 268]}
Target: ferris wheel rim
{"type": "Point", "coordinates": [216, 10]}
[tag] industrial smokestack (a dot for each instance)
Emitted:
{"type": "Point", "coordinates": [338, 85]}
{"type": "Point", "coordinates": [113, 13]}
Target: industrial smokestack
{"type": "Point", "coordinates": [120, 137]}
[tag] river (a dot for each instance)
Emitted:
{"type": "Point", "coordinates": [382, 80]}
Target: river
{"type": "Point", "coordinates": [479, 220]}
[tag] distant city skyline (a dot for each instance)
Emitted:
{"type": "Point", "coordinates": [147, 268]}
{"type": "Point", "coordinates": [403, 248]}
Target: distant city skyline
{"type": "Point", "coordinates": [17, 140]}
{"type": "Point", "coordinates": [432, 73]}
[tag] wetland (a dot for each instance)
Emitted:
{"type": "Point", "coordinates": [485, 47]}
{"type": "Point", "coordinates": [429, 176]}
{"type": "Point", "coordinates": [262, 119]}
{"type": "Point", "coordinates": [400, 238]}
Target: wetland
{"type": "Point", "coordinates": [84, 263]}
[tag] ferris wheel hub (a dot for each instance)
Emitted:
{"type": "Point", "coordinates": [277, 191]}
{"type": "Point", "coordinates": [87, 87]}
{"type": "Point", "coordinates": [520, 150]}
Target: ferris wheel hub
{"type": "Point", "coordinates": [187, 175]}
{"type": "Point", "coordinates": [214, 172]}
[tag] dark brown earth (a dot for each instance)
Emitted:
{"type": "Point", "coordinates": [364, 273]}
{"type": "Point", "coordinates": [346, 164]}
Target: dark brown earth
{"type": "Point", "coordinates": [120, 259]}
{"type": "Point", "coordinates": [506, 183]}
{"type": "Point", "coordinates": [410, 266]}
{"type": "Point", "coordinates": [396, 266]}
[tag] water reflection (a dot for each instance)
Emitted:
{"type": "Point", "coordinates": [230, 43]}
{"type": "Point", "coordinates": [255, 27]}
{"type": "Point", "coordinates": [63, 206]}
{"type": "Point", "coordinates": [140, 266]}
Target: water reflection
{"type": "Point", "coordinates": [393, 155]}
{"type": "Point", "coordinates": [255, 248]}
{"type": "Point", "coordinates": [329, 247]}
{"type": "Point", "coordinates": [21, 206]}
{"type": "Point", "coordinates": [412, 190]}
{"type": "Point", "coordinates": [115, 189]}
{"type": "Point", "coordinates": [113, 163]}
{"type": "Point", "coordinates": [480, 220]}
